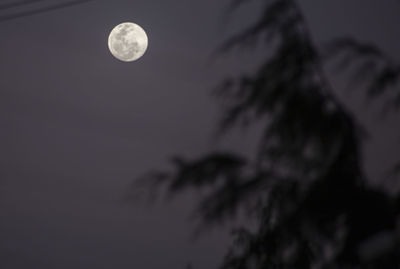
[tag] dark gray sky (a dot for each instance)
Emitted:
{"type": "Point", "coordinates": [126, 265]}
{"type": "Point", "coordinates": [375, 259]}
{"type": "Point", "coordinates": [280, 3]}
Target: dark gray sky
{"type": "Point", "coordinates": [77, 126]}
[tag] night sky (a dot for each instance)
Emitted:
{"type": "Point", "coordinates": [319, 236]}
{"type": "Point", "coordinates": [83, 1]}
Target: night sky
{"type": "Point", "coordinates": [78, 126]}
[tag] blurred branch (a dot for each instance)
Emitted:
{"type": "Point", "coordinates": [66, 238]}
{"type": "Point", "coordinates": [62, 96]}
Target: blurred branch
{"type": "Point", "coordinates": [372, 69]}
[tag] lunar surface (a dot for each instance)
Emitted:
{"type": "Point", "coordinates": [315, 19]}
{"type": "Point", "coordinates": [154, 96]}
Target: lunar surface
{"type": "Point", "coordinates": [127, 42]}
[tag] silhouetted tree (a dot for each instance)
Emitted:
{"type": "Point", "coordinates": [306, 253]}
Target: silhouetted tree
{"type": "Point", "coordinates": [305, 185]}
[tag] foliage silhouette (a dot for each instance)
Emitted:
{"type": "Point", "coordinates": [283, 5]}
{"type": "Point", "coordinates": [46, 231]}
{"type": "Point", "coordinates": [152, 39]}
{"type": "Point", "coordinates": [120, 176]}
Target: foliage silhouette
{"type": "Point", "coordinates": [376, 71]}
{"type": "Point", "coordinates": [306, 185]}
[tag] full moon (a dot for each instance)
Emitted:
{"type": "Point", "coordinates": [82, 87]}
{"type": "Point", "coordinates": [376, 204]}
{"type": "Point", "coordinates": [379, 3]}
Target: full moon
{"type": "Point", "coordinates": [127, 42]}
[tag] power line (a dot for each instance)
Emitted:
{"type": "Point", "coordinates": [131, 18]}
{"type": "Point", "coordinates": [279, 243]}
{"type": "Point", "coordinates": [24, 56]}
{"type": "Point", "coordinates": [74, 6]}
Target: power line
{"type": "Point", "coordinates": [18, 4]}
{"type": "Point", "coordinates": [39, 10]}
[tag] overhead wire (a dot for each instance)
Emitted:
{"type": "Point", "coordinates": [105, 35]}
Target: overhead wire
{"type": "Point", "coordinates": [35, 10]}
{"type": "Point", "coordinates": [15, 4]}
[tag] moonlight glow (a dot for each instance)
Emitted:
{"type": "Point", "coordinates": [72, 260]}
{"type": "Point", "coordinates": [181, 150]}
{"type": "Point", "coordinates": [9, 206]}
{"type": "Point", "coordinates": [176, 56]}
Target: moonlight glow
{"type": "Point", "coordinates": [127, 42]}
